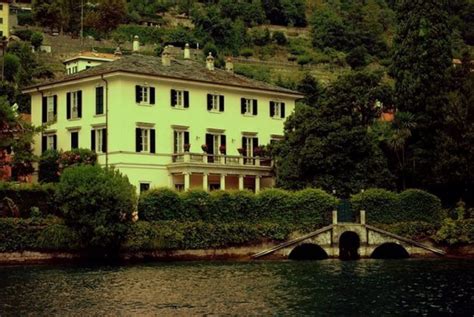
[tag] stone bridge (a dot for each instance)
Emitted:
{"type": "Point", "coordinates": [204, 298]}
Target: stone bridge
{"type": "Point", "coordinates": [349, 241]}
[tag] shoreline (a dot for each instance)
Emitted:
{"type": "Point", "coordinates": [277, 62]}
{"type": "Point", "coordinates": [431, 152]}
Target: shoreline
{"type": "Point", "coordinates": [228, 254]}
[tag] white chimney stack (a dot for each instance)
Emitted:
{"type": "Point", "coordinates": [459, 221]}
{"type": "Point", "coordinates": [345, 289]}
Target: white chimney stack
{"type": "Point", "coordinates": [187, 51]}
{"type": "Point", "coordinates": [210, 62]}
{"type": "Point", "coordinates": [229, 65]}
{"type": "Point", "coordinates": [136, 44]}
{"type": "Point", "coordinates": [166, 57]}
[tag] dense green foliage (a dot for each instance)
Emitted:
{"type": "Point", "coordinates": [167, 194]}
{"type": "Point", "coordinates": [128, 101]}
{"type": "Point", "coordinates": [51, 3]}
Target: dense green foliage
{"type": "Point", "coordinates": [328, 145]}
{"type": "Point", "coordinates": [48, 168]}
{"type": "Point", "coordinates": [415, 230]}
{"type": "Point", "coordinates": [385, 207]}
{"type": "Point", "coordinates": [98, 204]}
{"type": "Point", "coordinates": [201, 235]}
{"type": "Point", "coordinates": [28, 196]}
{"type": "Point", "coordinates": [310, 207]}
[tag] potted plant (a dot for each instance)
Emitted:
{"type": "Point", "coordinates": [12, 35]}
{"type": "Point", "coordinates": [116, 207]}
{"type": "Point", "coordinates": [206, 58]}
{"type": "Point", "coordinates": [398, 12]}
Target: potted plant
{"type": "Point", "coordinates": [186, 147]}
{"type": "Point", "coordinates": [204, 148]}
{"type": "Point", "coordinates": [241, 150]}
{"type": "Point", "coordinates": [222, 149]}
{"type": "Point", "coordinates": [257, 151]}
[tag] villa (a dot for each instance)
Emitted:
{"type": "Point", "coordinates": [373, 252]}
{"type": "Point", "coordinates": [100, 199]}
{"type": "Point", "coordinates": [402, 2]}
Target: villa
{"type": "Point", "coordinates": [166, 121]}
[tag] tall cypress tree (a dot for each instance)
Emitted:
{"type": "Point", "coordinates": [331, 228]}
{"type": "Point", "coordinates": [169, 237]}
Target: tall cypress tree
{"type": "Point", "coordinates": [421, 60]}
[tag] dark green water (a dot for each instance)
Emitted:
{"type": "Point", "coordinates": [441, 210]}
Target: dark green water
{"type": "Point", "coordinates": [330, 287]}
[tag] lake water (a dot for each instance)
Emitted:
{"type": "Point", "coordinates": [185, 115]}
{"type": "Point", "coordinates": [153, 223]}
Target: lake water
{"type": "Point", "coordinates": [320, 288]}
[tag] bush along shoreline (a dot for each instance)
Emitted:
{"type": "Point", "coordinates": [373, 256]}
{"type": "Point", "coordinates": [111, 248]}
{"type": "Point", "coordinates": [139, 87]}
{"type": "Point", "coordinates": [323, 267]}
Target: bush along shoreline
{"type": "Point", "coordinates": [90, 212]}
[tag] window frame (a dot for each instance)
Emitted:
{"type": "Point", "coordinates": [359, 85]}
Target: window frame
{"type": "Point", "coordinates": [50, 115]}
{"type": "Point", "coordinates": [50, 142]}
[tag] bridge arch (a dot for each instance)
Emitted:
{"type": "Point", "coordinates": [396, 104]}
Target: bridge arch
{"type": "Point", "coordinates": [308, 251]}
{"type": "Point", "coordinates": [390, 250]}
{"type": "Point", "coordinates": [349, 244]}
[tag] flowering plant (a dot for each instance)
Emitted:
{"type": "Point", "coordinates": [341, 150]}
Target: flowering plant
{"type": "Point", "coordinates": [241, 150]}
{"type": "Point", "coordinates": [204, 147]}
{"type": "Point", "coordinates": [186, 147]}
{"type": "Point", "coordinates": [222, 149]}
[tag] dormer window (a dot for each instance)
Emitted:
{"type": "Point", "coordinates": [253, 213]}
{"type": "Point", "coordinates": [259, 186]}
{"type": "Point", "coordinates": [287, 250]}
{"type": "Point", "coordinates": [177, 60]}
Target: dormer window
{"type": "Point", "coordinates": [145, 95]}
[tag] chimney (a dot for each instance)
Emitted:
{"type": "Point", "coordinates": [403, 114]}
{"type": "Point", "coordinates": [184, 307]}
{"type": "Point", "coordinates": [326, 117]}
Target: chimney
{"type": "Point", "coordinates": [229, 65]}
{"type": "Point", "coordinates": [210, 62]}
{"type": "Point", "coordinates": [166, 57]}
{"type": "Point", "coordinates": [136, 44]}
{"type": "Point", "coordinates": [187, 52]}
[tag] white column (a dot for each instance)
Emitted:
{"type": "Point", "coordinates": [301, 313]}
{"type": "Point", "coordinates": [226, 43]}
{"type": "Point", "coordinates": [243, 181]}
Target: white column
{"type": "Point", "coordinates": [222, 181]}
{"type": "Point", "coordinates": [334, 217]}
{"type": "Point", "coordinates": [362, 217]}
{"type": "Point", "coordinates": [205, 182]}
{"type": "Point", "coordinates": [257, 184]}
{"type": "Point", "coordinates": [187, 181]}
{"type": "Point", "coordinates": [241, 182]}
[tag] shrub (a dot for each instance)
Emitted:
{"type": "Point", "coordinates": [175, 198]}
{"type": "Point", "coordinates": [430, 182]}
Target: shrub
{"type": "Point", "coordinates": [455, 232]}
{"type": "Point", "coordinates": [76, 157]}
{"type": "Point", "coordinates": [210, 48]}
{"type": "Point", "coordinates": [246, 52]}
{"type": "Point", "coordinates": [97, 203]}
{"type": "Point", "coordinates": [275, 205]}
{"type": "Point", "coordinates": [313, 207]}
{"type": "Point", "coordinates": [48, 169]}
{"type": "Point", "coordinates": [36, 40]}
{"type": "Point", "coordinates": [419, 205]}
{"type": "Point", "coordinates": [357, 57]}
{"type": "Point", "coordinates": [58, 237]}
{"type": "Point", "coordinates": [29, 196]}
{"type": "Point", "coordinates": [304, 60]}
{"type": "Point", "coordinates": [230, 206]}
{"type": "Point", "coordinates": [279, 37]}
{"type": "Point", "coordinates": [381, 206]}
{"type": "Point", "coordinates": [146, 34]}
{"type": "Point", "coordinates": [260, 37]}
{"type": "Point", "coordinates": [415, 230]}
{"type": "Point", "coordinates": [24, 35]}
{"type": "Point", "coordinates": [17, 234]}
{"type": "Point", "coordinates": [195, 204]}
{"type": "Point", "coordinates": [159, 204]}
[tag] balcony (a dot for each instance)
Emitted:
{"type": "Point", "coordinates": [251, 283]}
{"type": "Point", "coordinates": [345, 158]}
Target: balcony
{"type": "Point", "coordinates": [221, 160]}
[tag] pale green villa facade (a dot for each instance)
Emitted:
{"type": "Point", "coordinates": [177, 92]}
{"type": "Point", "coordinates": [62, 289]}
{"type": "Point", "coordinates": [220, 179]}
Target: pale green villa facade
{"type": "Point", "coordinates": [152, 118]}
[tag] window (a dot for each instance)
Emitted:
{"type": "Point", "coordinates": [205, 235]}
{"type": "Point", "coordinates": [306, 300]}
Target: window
{"type": "Point", "coordinates": [99, 140]}
{"type": "Point", "coordinates": [74, 104]}
{"type": "Point", "coordinates": [99, 100]}
{"type": "Point", "coordinates": [49, 109]}
{"type": "Point", "coordinates": [144, 187]}
{"type": "Point", "coordinates": [49, 142]}
{"type": "Point", "coordinates": [145, 140]}
{"type": "Point", "coordinates": [74, 140]}
{"type": "Point", "coordinates": [181, 141]}
{"type": "Point", "coordinates": [277, 109]}
{"type": "Point", "coordinates": [216, 144]}
{"type": "Point", "coordinates": [1, 20]}
{"type": "Point", "coordinates": [1, 7]}
{"type": "Point", "coordinates": [248, 106]}
{"type": "Point", "coordinates": [215, 103]}
{"type": "Point", "coordinates": [145, 95]}
{"type": "Point", "coordinates": [179, 98]}
{"type": "Point", "coordinates": [249, 144]}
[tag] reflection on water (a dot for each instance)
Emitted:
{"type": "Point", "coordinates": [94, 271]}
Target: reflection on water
{"type": "Point", "coordinates": [330, 287]}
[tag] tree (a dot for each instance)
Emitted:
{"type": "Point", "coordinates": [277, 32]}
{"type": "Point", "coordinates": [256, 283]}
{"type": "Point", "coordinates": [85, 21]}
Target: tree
{"type": "Point", "coordinates": [395, 135]}
{"type": "Point", "coordinates": [47, 13]}
{"type": "Point", "coordinates": [357, 58]}
{"type": "Point", "coordinates": [107, 15]}
{"type": "Point", "coordinates": [279, 37]}
{"type": "Point", "coordinates": [98, 204]}
{"type": "Point", "coordinates": [11, 66]}
{"type": "Point", "coordinates": [16, 137]}
{"type": "Point", "coordinates": [422, 57]}
{"type": "Point", "coordinates": [36, 40]}
{"type": "Point", "coordinates": [312, 90]}
{"type": "Point", "coordinates": [48, 167]}
{"type": "Point", "coordinates": [328, 145]}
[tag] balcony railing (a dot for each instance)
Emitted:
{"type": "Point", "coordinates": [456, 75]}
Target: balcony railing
{"type": "Point", "coordinates": [218, 159]}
